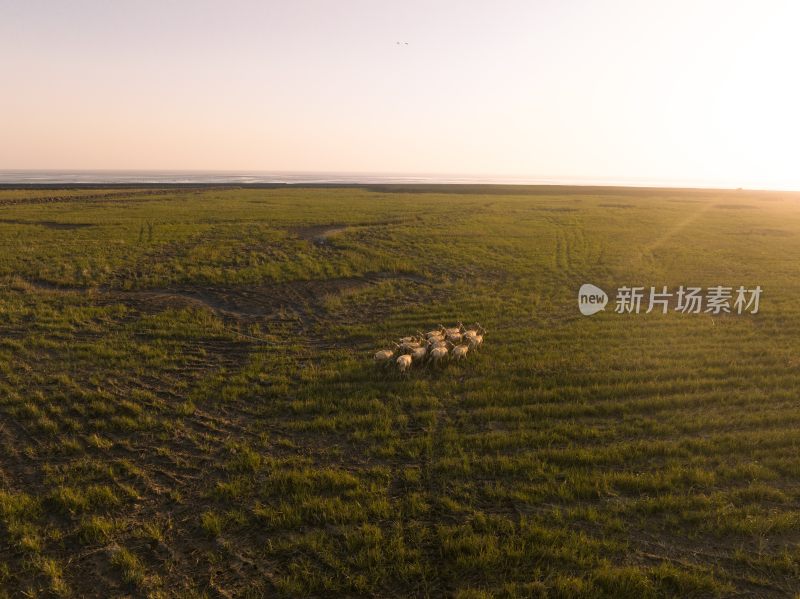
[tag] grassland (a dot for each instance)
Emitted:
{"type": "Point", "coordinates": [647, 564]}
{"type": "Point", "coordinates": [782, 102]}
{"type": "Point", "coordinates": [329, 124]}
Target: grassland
{"type": "Point", "coordinates": [188, 405]}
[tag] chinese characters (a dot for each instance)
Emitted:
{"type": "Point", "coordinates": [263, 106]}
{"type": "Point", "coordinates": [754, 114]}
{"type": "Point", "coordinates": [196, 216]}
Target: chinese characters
{"type": "Point", "coordinates": [688, 300]}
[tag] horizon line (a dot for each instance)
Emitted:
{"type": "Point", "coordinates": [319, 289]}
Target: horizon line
{"type": "Point", "coordinates": [211, 177]}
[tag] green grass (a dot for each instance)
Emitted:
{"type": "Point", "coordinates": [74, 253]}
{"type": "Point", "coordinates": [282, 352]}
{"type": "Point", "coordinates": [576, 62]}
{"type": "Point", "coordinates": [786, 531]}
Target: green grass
{"type": "Point", "coordinates": [188, 405]}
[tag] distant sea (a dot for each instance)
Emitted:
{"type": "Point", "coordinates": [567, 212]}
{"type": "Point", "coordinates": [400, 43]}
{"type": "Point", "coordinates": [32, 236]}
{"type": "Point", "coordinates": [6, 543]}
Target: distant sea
{"type": "Point", "coordinates": [133, 177]}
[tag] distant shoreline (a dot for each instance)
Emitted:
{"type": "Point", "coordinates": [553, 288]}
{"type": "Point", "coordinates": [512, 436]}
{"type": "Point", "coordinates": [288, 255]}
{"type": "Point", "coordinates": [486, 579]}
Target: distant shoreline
{"type": "Point", "coordinates": [181, 179]}
{"type": "Point", "coordinates": [468, 188]}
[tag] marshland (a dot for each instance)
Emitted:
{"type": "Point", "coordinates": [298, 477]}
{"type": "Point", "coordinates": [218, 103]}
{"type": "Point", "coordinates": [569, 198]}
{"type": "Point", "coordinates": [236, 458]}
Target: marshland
{"type": "Point", "coordinates": [189, 404]}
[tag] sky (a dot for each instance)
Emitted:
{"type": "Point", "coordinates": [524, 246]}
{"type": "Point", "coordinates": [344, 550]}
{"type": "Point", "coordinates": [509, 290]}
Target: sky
{"type": "Point", "coordinates": [699, 91]}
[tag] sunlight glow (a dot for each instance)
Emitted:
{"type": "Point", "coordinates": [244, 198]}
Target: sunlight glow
{"type": "Point", "coordinates": [686, 92]}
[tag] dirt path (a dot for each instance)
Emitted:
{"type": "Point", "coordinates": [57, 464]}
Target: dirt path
{"type": "Point", "coordinates": [293, 300]}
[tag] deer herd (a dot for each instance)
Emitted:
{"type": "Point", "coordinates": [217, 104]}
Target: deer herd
{"type": "Point", "coordinates": [433, 348]}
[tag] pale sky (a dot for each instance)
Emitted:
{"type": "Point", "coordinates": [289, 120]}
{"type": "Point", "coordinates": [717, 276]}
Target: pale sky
{"type": "Point", "coordinates": [669, 91]}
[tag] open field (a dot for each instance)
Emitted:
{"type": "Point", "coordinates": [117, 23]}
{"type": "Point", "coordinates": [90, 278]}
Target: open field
{"type": "Point", "coordinates": [188, 404]}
